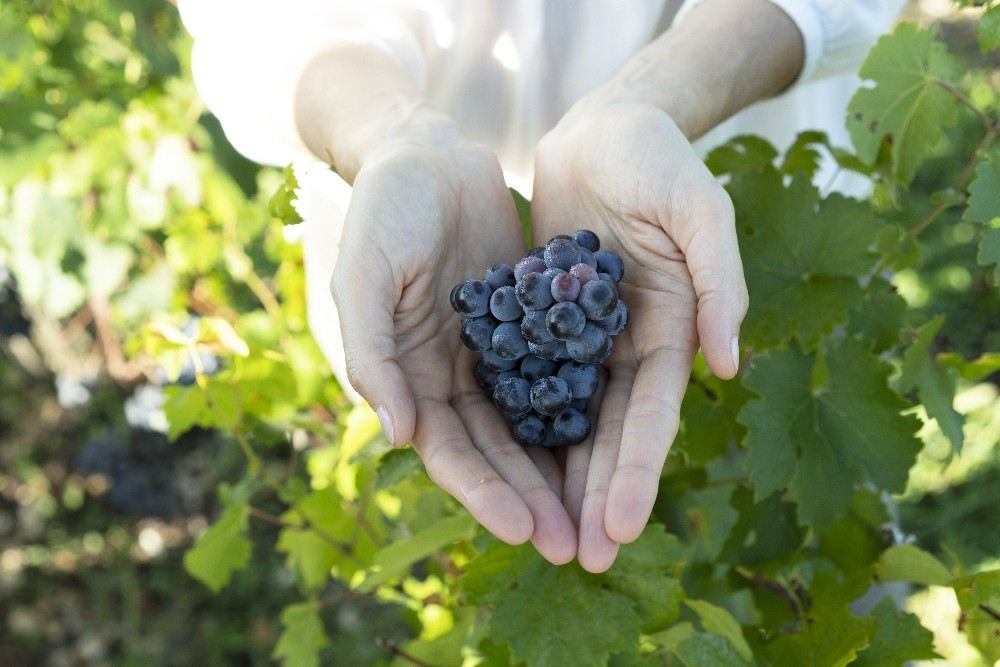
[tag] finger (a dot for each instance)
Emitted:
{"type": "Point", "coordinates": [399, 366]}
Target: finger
{"type": "Point", "coordinates": [455, 465]}
{"type": "Point", "coordinates": [554, 534]}
{"type": "Point", "coordinates": [651, 422]}
{"type": "Point", "coordinates": [597, 550]}
{"type": "Point", "coordinates": [713, 259]}
{"type": "Point", "coordinates": [548, 467]}
{"type": "Point", "coordinates": [366, 296]}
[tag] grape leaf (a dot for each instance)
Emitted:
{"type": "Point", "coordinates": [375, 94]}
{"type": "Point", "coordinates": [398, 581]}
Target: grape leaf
{"type": "Point", "coordinates": [308, 553]}
{"type": "Point", "coordinates": [742, 153]}
{"type": "Point", "coordinates": [989, 29]}
{"type": "Point", "coordinates": [906, 562]}
{"type": "Point", "coordinates": [880, 316]}
{"type": "Point", "coordinates": [801, 157]}
{"type": "Point", "coordinates": [643, 571]}
{"type": "Point", "coordinates": [979, 598]}
{"type": "Point", "coordinates": [907, 103]}
{"type": "Point", "coordinates": [984, 208]}
{"type": "Point", "coordinates": [220, 550]}
{"type": "Point", "coordinates": [706, 426]}
{"type": "Point", "coordinates": [934, 384]}
{"type": "Point", "coordinates": [972, 370]}
{"type": "Point", "coordinates": [832, 639]}
{"type": "Point", "coordinates": [802, 257]}
{"type": "Point", "coordinates": [396, 466]}
{"type": "Point", "coordinates": [213, 406]}
{"type": "Point", "coordinates": [898, 639]}
{"type": "Point", "coordinates": [708, 650]}
{"type": "Point", "coordinates": [303, 636]}
{"type": "Point", "coordinates": [820, 441]}
{"type": "Point", "coordinates": [720, 622]}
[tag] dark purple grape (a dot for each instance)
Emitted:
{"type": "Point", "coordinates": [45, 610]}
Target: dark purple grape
{"type": "Point", "coordinates": [584, 273]}
{"type": "Point", "coordinates": [611, 264]}
{"type": "Point", "coordinates": [591, 346]}
{"type": "Point", "coordinates": [477, 332]}
{"type": "Point", "coordinates": [604, 276]}
{"type": "Point", "coordinates": [471, 298]}
{"type": "Point", "coordinates": [615, 323]}
{"type": "Point", "coordinates": [587, 240]}
{"type": "Point", "coordinates": [562, 253]}
{"type": "Point", "coordinates": [533, 327]}
{"type": "Point", "coordinates": [565, 320]}
{"type": "Point", "coordinates": [552, 273]}
{"type": "Point", "coordinates": [528, 265]}
{"type": "Point", "coordinates": [508, 342]}
{"type": "Point", "coordinates": [587, 257]}
{"type": "Point", "coordinates": [550, 396]}
{"type": "Point", "coordinates": [581, 378]}
{"type": "Point", "coordinates": [512, 396]}
{"type": "Point", "coordinates": [565, 287]}
{"type": "Point", "coordinates": [579, 404]}
{"type": "Point", "coordinates": [570, 427]}
{"type": "Point", "coordinates": [529, 431]}
{"type": "Point", "coordinates": [537, 251]}
{"type": "Point", "coordinates": [554, 349]}
{"type": "Point", "coordinates": [598, 299]}
{"type": "Point", "coordinates": [499, 275]}
{"type": "Point", "coordinates": [562, 353]}
{"type": "Point", "coordinates": [535, 368]}
{"type": "Point", "coordinates": [534, 291]}
{"type": "Point", "coordinates": [504, 305]}
{"type": "Point", "coordinates": [493, 360]}
{"type": "Point", "coordinates": [486, 377]}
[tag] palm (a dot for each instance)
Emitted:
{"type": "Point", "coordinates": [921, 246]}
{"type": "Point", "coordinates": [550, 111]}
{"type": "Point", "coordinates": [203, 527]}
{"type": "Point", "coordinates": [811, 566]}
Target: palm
{"type": "Point", "coordinates": [432, 235]}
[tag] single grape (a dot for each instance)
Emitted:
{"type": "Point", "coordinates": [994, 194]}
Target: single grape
{"type": "Point", "coordinates": [584, 273]}
{"type": "Point", "coordinates": [499, 275]}
{"type": "Point", "coordinates": [528, 265]}
{"type": "Point", "coordinates": [565, 320]}
{"type": "Point", "coordinates": [550, 396]}
{"type": "Point", "coordinates": [471, 298]}
{"type": "Point", "coordinates": [587, 257]}
{"type": "Point", "coordinates": [570, 427]}
{"type": "Point", "coordinates": [529, 431]}
{"type": "Point", "coordinates": [562, 352]}
{"type": "Point", "coordinates": [616, 322]}
{"type": "Point", "coordinates": [562, 253]}
{"type": "Point", "coordinates": [534, 291]}
{"type": "Point", "coordinates": [477, 332]}
{"type": "Point", "coordinates": [565, 287]}
{"type": "Point", "coordinates": [508, 342]}
{"type": "Point", "coordinates": [591, 346]}
{"type": "Point", "coordinates": [597, 299]}
{"type": "Point", "coordinates": [610, 263]}
{"type": "Point", "coordinates": [587, 240]}
{"type": "Point", "coordinates": [537, 251]}
{"type": "Point", "coordinates": [504, 305]}
{"type": "Point", "coordinates": [551, 274]}
{"type": "Point", "coordinates": [535, 368]}
{"type": "Point", "coordinates": [486, 377]}
{"type": "Point", "coordinates": [554, 350]}
{"type": "Point", "coordinates": [493, 360]}
{"type": "Point", "coordinates": [533, 327]}
{"type": "Point", "coordinates": [581, 378]}
{"type": "Point", "coordinates": [512, 396]}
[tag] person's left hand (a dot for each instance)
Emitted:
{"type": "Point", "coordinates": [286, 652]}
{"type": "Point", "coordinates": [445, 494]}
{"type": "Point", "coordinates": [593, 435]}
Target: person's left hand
{"type": "Point", "coordinates": [627, 172]}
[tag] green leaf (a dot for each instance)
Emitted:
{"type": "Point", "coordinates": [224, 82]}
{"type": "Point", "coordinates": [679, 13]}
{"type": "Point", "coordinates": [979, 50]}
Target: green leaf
{"type": "Point", "coordinates": [707, 427]}
{"type": "Point", "coordinates": [906, 562]}
{"type": "Point", "coordinates": [972, 370]}
{"type": "Point", "coordinates": [984, 208]}
{"type": "Point", "coordinates": [907, 104]}
{"type": "Point", "coordinates": [523, 207]}
{"type": "Point", "coordinates": [719, 621]}
{"type": "Point", "coordinates": [303, 636]}
{"type": "Point", "coordinates": [801, 157]}
{"type": "Point", "coordinates": [396, 558]}
{"type": "Point", "coordinates": [557, 616]}
{"type": "Point", "coordinates": [832, 639]}
{"type": "Point", "coordinates": [898, 639]}
{"type": "Point", "coordinates": [708, 650]}
{"type": "Point", "coordinates": [802, 257]}
{"type": "Point", "coordinates": [309, 553]}
{"type": "Point", "coordinates": [213, 406]}
{"type": "Point", "coordinates": [820, 445]}
{"type": "Point", "coordinates": [396, 466]}
{"type": "Point", "coordinates": [934, 384]}
{"type": "Point", "coordinates": [979, 598]}
{"type": "Point", "coordinates": [220, 550]}
{"type": "Point", "coordinates": [879, 318]}
{"type": "Point", "coordinates": [989, 29]}
{"type": "Point", "coordinates": [644, 571]}
{"type": "Point", "coordinates": [743, 153]}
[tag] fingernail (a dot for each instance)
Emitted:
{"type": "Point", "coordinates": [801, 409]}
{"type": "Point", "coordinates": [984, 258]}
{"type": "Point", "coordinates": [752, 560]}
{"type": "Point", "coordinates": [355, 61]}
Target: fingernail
{"type": "Point", "coordinates": [736, 353]}
{"type": "Point", "coordinates": [386, 422]}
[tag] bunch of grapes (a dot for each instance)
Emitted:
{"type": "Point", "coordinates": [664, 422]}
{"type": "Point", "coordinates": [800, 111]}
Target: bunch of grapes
{"type": "Point", "coordinates": [543, 327]}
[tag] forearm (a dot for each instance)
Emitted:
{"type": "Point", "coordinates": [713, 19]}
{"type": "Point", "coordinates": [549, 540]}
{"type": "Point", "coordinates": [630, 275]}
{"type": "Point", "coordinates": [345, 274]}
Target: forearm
{"type": "Point", "coordinates": [352, 100]}
{"type": "Point", "coordinates": [723, 56]}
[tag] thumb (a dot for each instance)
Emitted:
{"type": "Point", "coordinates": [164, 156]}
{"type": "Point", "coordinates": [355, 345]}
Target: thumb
{"type": "Point", "coordinates": [713, 258]}
{"type": "Point", "coordinates": [366, 299]}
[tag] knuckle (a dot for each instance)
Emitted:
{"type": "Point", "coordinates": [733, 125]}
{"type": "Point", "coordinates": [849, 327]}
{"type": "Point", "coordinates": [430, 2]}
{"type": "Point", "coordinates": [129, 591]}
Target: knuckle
{"type": "Point", "coordinates": [355, 372]}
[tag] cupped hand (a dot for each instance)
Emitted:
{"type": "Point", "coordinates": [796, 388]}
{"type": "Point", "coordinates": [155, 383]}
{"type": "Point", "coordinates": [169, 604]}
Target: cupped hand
{"type": "Point", "coordinates": [625, 171]}
{"type": "Point", "coordinates": [423, 217]}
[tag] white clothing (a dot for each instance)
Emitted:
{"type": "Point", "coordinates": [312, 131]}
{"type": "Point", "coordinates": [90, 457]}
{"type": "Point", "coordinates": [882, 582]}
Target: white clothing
{"type": "Point", "coordinates": [505, 70]}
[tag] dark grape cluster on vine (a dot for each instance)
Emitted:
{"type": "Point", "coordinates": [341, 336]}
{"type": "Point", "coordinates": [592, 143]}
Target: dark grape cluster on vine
{"type": "Point", "coordinates": [543, 328]}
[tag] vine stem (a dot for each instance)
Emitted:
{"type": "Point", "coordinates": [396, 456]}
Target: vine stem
{"type": "Point", "coordinates": [393, 648]}
{"type": "Point", "coordinates": [984, 117]}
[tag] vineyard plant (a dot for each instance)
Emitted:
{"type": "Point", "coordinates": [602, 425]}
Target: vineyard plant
{"type": "Point", "coordinates": [182, 481]}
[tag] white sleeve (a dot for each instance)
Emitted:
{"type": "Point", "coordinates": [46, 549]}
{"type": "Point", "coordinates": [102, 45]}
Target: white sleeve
{"type": "Point", "coordinates": [248, 56]}
{"type": "Point", "coordinates": [836, 33]}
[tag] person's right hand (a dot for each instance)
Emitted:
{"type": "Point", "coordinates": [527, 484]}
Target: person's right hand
{"type": "Point", "coordinates": [424, 216]}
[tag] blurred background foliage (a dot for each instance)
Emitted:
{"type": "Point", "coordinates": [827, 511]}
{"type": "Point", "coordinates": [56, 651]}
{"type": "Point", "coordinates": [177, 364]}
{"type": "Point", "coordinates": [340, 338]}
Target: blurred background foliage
{"type": "Point", "coordinates": [137, 257]}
